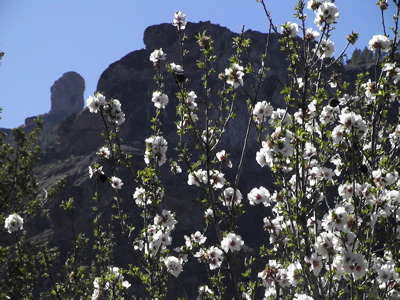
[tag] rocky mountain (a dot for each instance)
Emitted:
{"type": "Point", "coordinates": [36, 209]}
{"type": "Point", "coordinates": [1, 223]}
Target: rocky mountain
{"type": "Point", "coordinates": [66, 99]}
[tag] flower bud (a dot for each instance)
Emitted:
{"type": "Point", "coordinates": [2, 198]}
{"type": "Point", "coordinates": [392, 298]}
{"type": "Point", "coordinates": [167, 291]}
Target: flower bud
{"type": "Point", "coordinates": [353, 37]}
{"type": "Point", "coordinates": [383, 4]}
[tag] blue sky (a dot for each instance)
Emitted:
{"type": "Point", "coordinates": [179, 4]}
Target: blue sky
{"type": "Point", "coordinates": [43, 39]}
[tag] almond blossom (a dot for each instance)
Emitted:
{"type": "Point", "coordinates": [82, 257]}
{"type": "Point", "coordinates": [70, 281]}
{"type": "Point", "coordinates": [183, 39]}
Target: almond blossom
{"type": "Point", "coordinates": [174, 265]}
{"type": "Point", "coordinates": [325, 49]}
{"type": "Point", "coordinates": [191, 100]}
{"type": "Point", "coordinates": [116, 182]}
{"type": "Point", "coordinates": [14, 223]}
{"type": "Point", "coordinates": [179, 20]}
{"type": "Point", "coordinates": [160, 99]}
{"type": "Point", "coordinates": [94, 103]}
{"type": "Point", "coordinates": [327, 13]}
{"type": "Point", "coordinates": [104, 152]}
{"type": "Point", "coordinates": [392, 71]}
{"type": "Point", "coordinates": [379, 42]}
{"type": "Point", "coordinates": [228, 195]}
{"type": "Point", "coordinates": [156, 148]}
{"type": "Point", "coordinates": [214, 257]}
{"type": "Point", "coordinates": [261, 111]}
{"type": "Point", "coordinates": [205, 293]}
{"type": "Point", "coordinates": [290, 29]}
{"type": "Point", "coordinates": [232, 242]}
{"type": "Point", "coordinates": [311, 35]}
{"type": "Point", "coordinates": [234, 75]}
{"type": "Point", "coordinates": [157, 55]}
{"type": "Point", "coordinates": [315, 263]}
{"type": "Point", "coordinates": [222, 156]}
{"type": "Point", "coordinates": [259, 195]}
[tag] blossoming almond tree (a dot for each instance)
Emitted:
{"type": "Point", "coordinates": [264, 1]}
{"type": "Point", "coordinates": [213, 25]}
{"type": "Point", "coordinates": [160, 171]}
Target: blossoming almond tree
{"type": "Point", "coordinates": [329, 226]}
{"type": "Point", "coordinates": [333, 156]}
{"type": "Point", "coordinates": [333, 238]}
{"type": "Point", "coordinates": [22, 264]}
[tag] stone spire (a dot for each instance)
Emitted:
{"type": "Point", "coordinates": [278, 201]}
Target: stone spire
{"type": "Point", "coordinates": [67, 94]}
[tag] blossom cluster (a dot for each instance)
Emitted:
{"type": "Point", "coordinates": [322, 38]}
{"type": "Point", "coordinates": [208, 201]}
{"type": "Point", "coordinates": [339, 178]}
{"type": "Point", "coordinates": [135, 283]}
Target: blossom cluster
{"type": "Point", "coordinates": [214, 256]}
{"type": "Point", "coordinates": [157, 237]}
{"type": "Point", "coordinates": [379, 42]}
{"type": "Point", "coordinates": [215, 177]}
{"type": "Point", "coordinates": [222, 156]}
{"type": "Point", "coordinates": [112, 108]}
{"type": "Point", "coordinates": [326, 13]}
{"type": "Point", "coordinates": [234, 75]}
{"type": "Point", "coordinates": [143, 198]}
{"type": "Point", "coordinates": [275, 274]}
{"type": "Point", "coordinates": [261, 111]}
{"type": "Point", "coordinates": [337, 247]}
{"type": "Point", "coordinates": [156, 150]}
{"type": "Point", "coordinates": [179, 20]}
{"type": "Point", "coordinates": [113, 279]}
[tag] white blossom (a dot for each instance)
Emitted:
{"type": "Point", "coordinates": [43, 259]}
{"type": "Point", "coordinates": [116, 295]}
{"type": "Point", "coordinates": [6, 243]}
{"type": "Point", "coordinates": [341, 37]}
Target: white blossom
{"type": "Point", "coordinates": [327, 13]}
{"type": "Point", "coordinates": [174, 265]}
{"type": "Point", "coordinates": [95, 102]}
{"type": "Point", "coordinates": [215, 257]}
{"type": "Point", "coordinates": [14, 223]}
{"type": "Point", "coordinates": [205, 293]}
{"type": "Point", "coordinates": [156, 148]}
{"type": "Point", "coordinates": [116, 182]}
{"type": "Point", "coordinates": [392, 71]}
{"type": "Point", "coordinates": [234, 75]}
{"type": "Point", "coordinates": [311, 35]}
{"type": "Point", "coordinates": [379, 42]}
{"type": "Point", "coordinates": [191, 100]}
{"type": "Point", "coordinates": [160, 99]}
{"type": "Point", "coordinates": [259, 195]}
{"type": "Point", "coordinates": [315, 262]}
{"type": "Point", "coordinates": [104, 152]}
{"type": "Point", "coordinates": [232, 242]}
{"type": "Point", "coordinates": [176, 68]}
{"type": "Point", "coordinates": [179, 20]}
{"type": "Point", "coordinates": [325, 49]}
{"type": "Point", "coordinates": [166, 219]}
{"type": "Point", "coordinates": [157, 55]}
{"type": "Point", "coordinates": [228, 197]}
{"type": "Point", "coordinates": [290, 29]}
{"type": "Point", "coordinates": [261, 111]}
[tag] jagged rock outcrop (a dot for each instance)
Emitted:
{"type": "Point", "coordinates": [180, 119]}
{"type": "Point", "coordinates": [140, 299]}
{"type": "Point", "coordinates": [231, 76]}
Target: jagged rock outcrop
{"type": "Point", "coordinates": [130, 80]}
{"type": "Point", "coordinates": [66, 99]}
{"type": "Point", "coordinates": [67, 94]}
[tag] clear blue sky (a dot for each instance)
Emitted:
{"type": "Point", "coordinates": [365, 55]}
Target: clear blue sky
{"type": "Point", "coordinates": [43, 39]}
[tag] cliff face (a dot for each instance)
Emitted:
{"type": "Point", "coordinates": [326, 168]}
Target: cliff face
{"type": "Point", "coordinates": [66, 98]}
{"type": "Point", "coordinates": [67, 94]}
{"type": "Point", "coordinates": [130, 80]}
